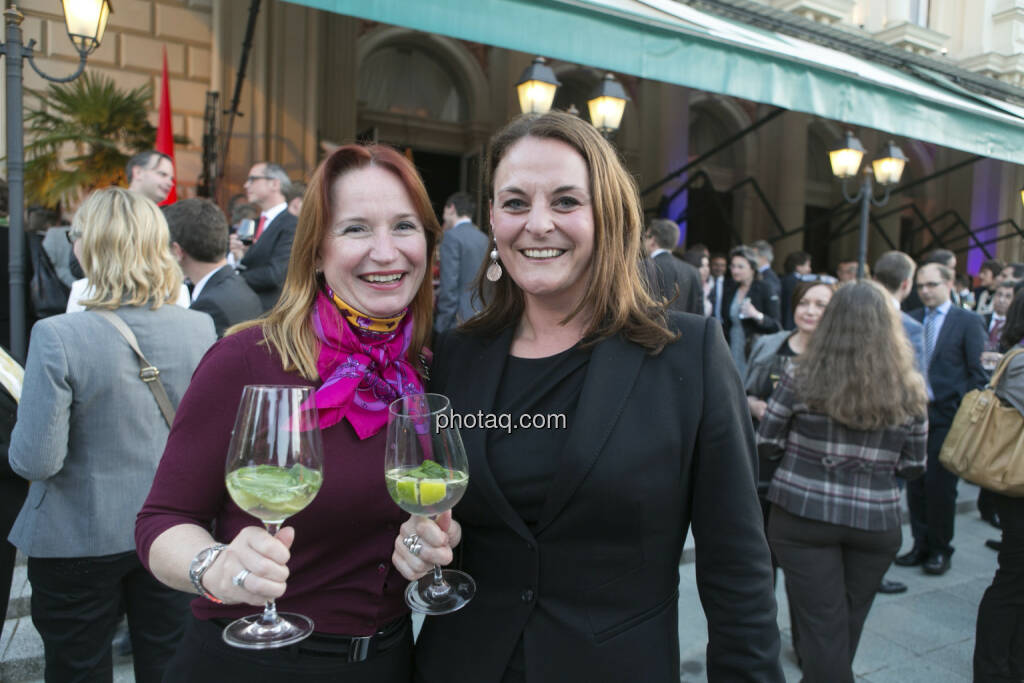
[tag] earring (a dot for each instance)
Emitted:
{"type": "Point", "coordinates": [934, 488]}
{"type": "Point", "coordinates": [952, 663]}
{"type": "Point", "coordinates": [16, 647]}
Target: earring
{"type": "Point", "coordinates": [494, 270]}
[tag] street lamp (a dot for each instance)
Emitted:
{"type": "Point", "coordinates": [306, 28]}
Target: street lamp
{"type": "Point", "coordinates": [887, 169]}
{"type": "Point", "coordinates": [536, 87]}
{"type": "Point", "coordinates": [85, 21]}
{"type": "Point", "coordinates": [607, 105]}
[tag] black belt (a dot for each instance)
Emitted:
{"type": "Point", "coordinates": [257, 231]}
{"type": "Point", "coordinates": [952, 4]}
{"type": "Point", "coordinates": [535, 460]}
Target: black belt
{"type": "Point", "coordinates": [354, 648]}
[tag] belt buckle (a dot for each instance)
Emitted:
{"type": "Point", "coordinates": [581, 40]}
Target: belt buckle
{"type": "Point", "coordinates": [149, 374]}
{"type": "Point", "coordinates": [359, 648]}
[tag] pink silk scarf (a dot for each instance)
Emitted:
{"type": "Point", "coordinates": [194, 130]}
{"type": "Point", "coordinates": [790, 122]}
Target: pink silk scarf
{"type": "Point", "coordinates": [363, 371]}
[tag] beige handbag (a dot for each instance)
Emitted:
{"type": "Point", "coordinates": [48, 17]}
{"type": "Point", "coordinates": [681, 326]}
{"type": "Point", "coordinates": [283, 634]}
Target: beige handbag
{"type": "Point", "coordinates": [985, 445]}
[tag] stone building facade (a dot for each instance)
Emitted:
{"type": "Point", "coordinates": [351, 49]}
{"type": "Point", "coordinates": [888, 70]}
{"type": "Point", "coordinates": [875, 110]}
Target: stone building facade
{"type": "Point", "coordinates": [316, 78]}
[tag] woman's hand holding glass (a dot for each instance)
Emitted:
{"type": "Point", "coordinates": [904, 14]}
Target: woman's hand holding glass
{"type": "Point", "coordinates": [265, 557]}
{"type": "Point", "coordinates": [426, 473]}
{"type": "Point", "coordinates": [748, 310]}
{"type": "Point", "coordinates": [438, 539]}
{"type": "Point", "coordinates": [274, 470]}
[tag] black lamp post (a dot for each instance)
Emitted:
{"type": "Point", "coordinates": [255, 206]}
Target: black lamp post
{"type": "Point", "coordinates": [886, 169]}
{"type": "Point", "coordinates": [85, 21]}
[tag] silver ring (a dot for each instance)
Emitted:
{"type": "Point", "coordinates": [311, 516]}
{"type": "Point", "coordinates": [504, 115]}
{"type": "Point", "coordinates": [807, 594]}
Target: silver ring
{"type": "Point", "coordinates": [239, 578]}
{"type": "Point", "coordinates": [411, 540]}
{"type": "Point", "coordinates": [415, 548]}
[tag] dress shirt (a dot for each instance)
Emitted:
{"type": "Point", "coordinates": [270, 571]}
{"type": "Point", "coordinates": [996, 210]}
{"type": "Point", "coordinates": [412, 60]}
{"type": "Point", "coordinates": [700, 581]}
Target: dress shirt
{"type": "Point", "coordinates": [269, 215]}
{"type": "Point", "coordinates": [719, 284]}
{"type": "Point", "coordinates": [996, 319]}
{"type": "Point", "coordinates": [658, 251]}
{"type": "Point", "coordinates": [833, 473]}
{"type": "Point", "coordinates": [198, 287]}
{"type": "Point", "coordinates": [940, 312]}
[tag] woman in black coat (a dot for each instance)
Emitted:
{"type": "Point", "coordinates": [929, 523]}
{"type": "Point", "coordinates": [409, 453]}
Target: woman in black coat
{"type": "Point", "coordinates": [573, 527]}
{"type": "Point", "coordinates": [749, 306]}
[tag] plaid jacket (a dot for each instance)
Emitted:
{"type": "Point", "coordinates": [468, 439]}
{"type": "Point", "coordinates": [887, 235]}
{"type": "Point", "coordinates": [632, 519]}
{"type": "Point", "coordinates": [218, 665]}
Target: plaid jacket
{"type": "Point", "coordinates": [832, 473]}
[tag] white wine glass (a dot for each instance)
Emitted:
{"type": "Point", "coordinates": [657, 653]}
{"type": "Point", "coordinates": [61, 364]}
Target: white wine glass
{"type": "Point", "coordinates": [426, 472]}
{"type": "Point", "coordinates": [274, 469]}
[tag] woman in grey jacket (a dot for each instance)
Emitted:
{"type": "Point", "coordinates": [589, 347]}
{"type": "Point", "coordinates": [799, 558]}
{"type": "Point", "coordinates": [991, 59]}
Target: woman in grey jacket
{"type": "Point", "coordinates": [89, 436]}
{"type": "Point", "coordinates": [999, 640]}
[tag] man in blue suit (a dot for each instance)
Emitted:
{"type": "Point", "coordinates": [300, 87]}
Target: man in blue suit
{"type": "Point", "coordinates": [953, 341]}
{"type": "Point", "coordinates": [894, 270]}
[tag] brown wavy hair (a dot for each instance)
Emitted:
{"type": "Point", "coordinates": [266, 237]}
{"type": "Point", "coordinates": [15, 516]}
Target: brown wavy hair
{"type": "Point", "coordinates": [615, 290]}
{"type": "Point", "coordinates": [858, 347]}
{"type": "Point", "coordinates": [287, 326]}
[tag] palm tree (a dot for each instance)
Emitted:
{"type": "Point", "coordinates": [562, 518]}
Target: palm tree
{"type": "Point", "coordinates": [95, 119]}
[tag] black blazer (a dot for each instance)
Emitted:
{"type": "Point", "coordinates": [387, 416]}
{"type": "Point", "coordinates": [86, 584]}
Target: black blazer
{"type": "Point", "coordinates": [658, 442]}
{"type": "Point", "coordinates": [228, 300]}
{"type": "Point", "coordinates": [266, 263]}
{"type": "Point", "coordinates": [763, 299]}
{"type": "Point", "coordinates": [679, 282]}
{"type": "Point", "coordinates": [955, 366]}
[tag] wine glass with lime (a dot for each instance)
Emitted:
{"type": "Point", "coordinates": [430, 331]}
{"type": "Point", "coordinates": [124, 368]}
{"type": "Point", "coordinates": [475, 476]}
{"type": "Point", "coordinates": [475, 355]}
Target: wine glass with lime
{"type": "Point", "coordinates": [274, 469]}
{"type": "Point", "coordinates": [426, 473]}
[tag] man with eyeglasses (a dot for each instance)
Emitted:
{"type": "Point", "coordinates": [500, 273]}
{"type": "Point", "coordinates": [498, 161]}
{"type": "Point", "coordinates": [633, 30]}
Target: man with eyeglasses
{"type": "Point", "coordinates": [264, 263]}
{"type": "Point", "coordinates": [953, 341]}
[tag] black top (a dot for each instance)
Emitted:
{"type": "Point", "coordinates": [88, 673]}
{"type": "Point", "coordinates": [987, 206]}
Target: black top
{"type": "Point", "coordinates": [524, 460]}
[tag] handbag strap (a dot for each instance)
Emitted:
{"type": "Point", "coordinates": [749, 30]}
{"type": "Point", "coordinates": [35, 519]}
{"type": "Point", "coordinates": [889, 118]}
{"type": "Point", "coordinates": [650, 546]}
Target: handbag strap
{"type": "Point", "coordinates": [1003, 364]}
{"type": "Point", "coordinates": [148, 372]}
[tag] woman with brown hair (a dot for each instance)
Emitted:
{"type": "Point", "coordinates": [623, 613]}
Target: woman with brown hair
{"type": "Point", "coordinates": [352, 321]}
{"type": "Point", "coordinates": [834, 524]}
{"type": "Point", "coordinates": [749, 306]}
{"type": "Point", "coordinates": [573, 528]}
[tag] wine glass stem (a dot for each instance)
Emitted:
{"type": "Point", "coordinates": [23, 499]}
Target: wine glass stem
{"type": "Point", "coordinates": [269, 617]}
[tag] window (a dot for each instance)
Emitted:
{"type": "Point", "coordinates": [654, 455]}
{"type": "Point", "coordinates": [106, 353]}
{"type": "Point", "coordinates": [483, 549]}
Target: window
{"type": "Point", "coordinates": [404, 79]}
{"type": "Point", "coordinates": [919, 12]}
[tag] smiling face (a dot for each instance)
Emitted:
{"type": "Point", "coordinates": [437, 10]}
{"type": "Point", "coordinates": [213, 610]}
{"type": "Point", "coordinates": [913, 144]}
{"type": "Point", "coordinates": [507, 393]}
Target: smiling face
{"type": "Point", "coordinates": [810, 308]}
{"type": "Point", "coordinates": [374, 252]}
{"type": "Point", "coordinates": [543, 220]}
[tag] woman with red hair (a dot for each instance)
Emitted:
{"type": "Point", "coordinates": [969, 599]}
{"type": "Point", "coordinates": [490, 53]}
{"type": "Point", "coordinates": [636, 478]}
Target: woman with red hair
{"type": "Point", "coordinates": [352, 322]}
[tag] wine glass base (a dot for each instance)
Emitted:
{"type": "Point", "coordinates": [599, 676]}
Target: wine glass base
{"type": "Point", "coordinates": [251, 634]}
{"type": "Point", "coordinates": [423, 597]}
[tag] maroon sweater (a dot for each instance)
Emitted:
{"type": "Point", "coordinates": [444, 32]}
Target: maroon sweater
{"type": "Point", "coordinates": [341, 572]}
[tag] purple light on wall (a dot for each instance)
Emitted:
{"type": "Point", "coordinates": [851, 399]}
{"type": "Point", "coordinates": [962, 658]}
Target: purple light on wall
{"type": "Point", "coordinates": [985, 202]}
{"type": "Point", "coordinates": [677, 207]}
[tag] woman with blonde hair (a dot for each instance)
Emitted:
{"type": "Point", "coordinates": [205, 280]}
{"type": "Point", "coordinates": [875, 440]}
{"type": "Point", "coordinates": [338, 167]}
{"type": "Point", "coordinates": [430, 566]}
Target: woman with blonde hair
{"type": "Point", "coordinates": [835, 521]}
{"type": "Point", "coordinates": [573, 530]}
{"type": "Point", "coordinates": [352, 322]}
{"type": "Point", "coordinates": [89, 435]}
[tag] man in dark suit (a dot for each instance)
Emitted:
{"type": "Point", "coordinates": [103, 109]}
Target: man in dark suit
{"type": "Point", "coordinates": [954, 340]}
{"type": "Point", "coordinates": [199, 240]}
{"type": "Point", "coordinates": [796, 266]}
{"type": "Point", "coordinates": [264, 264]}
{"type": "Point", "coordinates": [765, 257]}
{"type": "Point", "coordinates": [462, 250]}
{"type": "Point", "coordinates": [679, 282]}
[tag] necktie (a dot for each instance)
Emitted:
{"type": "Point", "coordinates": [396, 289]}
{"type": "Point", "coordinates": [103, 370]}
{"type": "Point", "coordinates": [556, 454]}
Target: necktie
{"type": "Point", "coordinates": [931, 334]}
{"type": "Point", "coordinates": [993, 335]}
{"type": "Point", "coordinates": [259, 228]}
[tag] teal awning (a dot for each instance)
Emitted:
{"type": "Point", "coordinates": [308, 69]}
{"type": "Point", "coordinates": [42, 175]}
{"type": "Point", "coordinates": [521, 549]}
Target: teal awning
{"type": "Point", "coordinates": [664, 40]}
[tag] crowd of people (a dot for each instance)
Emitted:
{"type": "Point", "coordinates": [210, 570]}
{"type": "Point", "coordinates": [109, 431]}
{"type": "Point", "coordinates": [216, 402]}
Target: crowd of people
{"type": "Point", "coordinates": [776, 417]}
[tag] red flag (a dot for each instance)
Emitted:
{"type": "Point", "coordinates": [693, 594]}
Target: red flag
{"type": "Point", "coordinates": [164, 132]}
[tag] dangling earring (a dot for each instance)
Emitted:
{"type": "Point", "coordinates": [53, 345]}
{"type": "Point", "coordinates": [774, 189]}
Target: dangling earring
{"type": "Point", "coordinates": [494, 270]}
